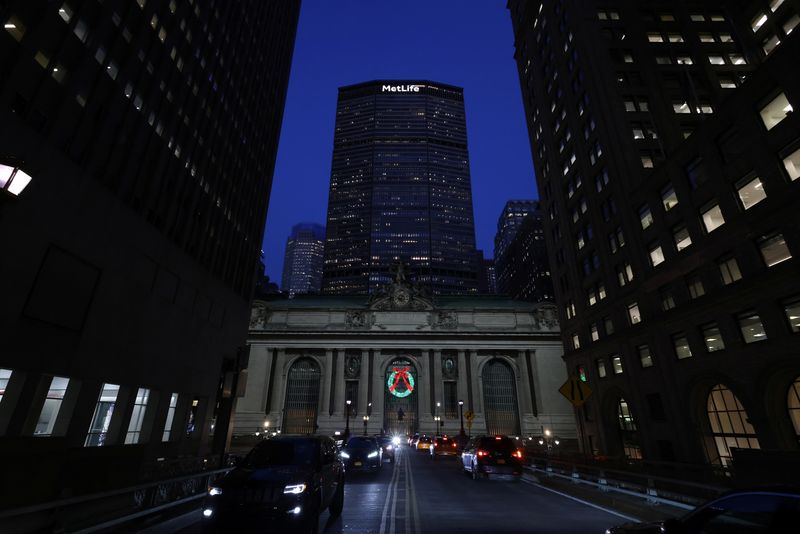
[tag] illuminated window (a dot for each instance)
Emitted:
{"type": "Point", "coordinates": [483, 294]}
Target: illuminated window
{"type": "Point", "coordinates": [758, 21]}
{"type": "Point", "coordinates": [695, 287]}
{"type": "Point", "coordinates": [770, 43]}
{"type": "Point", "coordinates": [681, 346]}
{"type": "Point", "coordinates": [655, 37]}
{"type": "Point", "coordinates": [713, 338]}
{"type": "Point", "coordinates": [616, 365]}
{"type": "Point", "coordinates": [137, 416]}
{"type": "Point", "coordinates": [594, 332]}
{"type": "Point", "coordinates": [645, 357]}
{"type": "Point", "coordinates": [730, 426]}
{"type": "Point", "coordinates": [751, 326]}
{"type": "Point", "coordinates": [601, 368]}
{"type": "Point", "coordinates": [645, 217]}
{"type": "Point", "coordinates": [101, 420]}
{"type": "Point", "coordinates": [777, 110]}
{"type": "Point", "coordinates": [173, 403]}
{"type": "Point", "coordinates": [576, 341]}
{"type": "Point", "coordinates": [716, 60]}
{"type": "Point", "coordinates": [681, 237]}
{"type": "Point", "coordinates": [65, 12]}
{"type": "Point", "coordinates": [656, 255]}
{"type": "Point", "coordinates": [52, 405]}
{"type": "Point", "coordinates": [774, 249]}
{"type": "Point", "coordinates": [633, 313]}
{"type": "Point", "coordinates": [792, 310]}
{"type": "Point", "coordinates": [791, 24]}
{"type": "Point", "coordinates": [15, 28]}
{"type": "Point", "coordinates": [792, 164]}
{"type": "Point", "coordinates": [751, 192]}
{"type": "Point", "coordinates": [712, 218]}
{"type": "Point", "coordinates": [729, 269]}
{"type": "Point", "coordinates": [628, 431]}
{"type": "Point", "coordinates": [5, 376]}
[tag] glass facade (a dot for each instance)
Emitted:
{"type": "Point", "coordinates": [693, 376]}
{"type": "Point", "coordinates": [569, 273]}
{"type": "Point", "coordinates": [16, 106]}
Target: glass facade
{"type": "Point", "coordinates": [400, 189]}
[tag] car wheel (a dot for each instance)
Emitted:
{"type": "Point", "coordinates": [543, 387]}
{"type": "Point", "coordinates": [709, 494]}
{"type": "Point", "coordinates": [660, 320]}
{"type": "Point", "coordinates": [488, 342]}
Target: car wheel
{"type": "Point", "coordinates": [335, 508]}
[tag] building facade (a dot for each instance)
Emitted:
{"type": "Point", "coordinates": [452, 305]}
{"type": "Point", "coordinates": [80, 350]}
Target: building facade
{"type": "Point", "coordinates": [129, 259]}
{"type": "Point", "coordinates": [509, 221]}
{"type": "Point", "coordinates": [404, 359]}
{"type": "Point", "coordinates": [667, 159]}
{"type": "Point", "coordinates": [524, 268]}
{"type": "Point", "coordinates": [400, 189]}
{"type": "Point", "coordinates": [302, 262]}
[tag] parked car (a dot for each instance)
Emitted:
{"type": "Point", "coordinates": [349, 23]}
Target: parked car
{"type": "Point", "coordinates": [283, 484]}
{"type": "Point", "coordinates": [492, 457]}
{"type": "Point", "coordinates": [444, 446]}
{"type": "Point", "coordinates": [388, 446]}
{"type": "Point", "coordinates": [775, 510]}
{"type": "Point", "coordinates": [362, 453]}
{"type": "Point", "coordinates": [423, 443]}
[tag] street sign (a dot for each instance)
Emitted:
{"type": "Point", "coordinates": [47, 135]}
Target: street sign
{"type": "Point", "coordinates": [469, 415]}
{"type": "Point", "coordinates": [576, 391]}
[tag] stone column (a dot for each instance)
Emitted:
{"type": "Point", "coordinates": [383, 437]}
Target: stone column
{"type": "Point", "coordinates": [438, 392]}
{"type": "Point", "coordinates": [325, 390]}
{"type": "Point", "coordinates": [363, 382]}
{"type": "Point", "coordinates": [524, 391]}
{"type": "Point", "coordinates": [279, 391]}
{"type": "Point", "coordinates": [475, 383]}
{"type": "Point", "coordinates": [338, 405]}
{"type": "Point", "coordinates": [378, 390]}
{"type": "Point", "coordinates": [424, 388]}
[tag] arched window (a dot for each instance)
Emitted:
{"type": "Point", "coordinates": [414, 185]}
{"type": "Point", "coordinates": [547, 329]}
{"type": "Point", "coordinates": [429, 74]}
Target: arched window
{"type": "Point", "coordinates": [730, 428]}
{"type": "Point", "coordinates": [628, 431]}
{"type": "Point", "coordinates": [302, 397]}
{"type": "Point", "coordinates": [794, 405]}
{"type": "Point", "coordinates": [500, 398]}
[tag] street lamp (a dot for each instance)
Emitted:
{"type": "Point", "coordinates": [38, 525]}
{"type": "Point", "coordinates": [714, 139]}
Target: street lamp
{"type": "Point", "coordinates": [438, 421]}
{"type": "Point", "coordinates": [461, 415]}
{"type": "Point", "coordinates": [347, 424]}
{"type": "Point", "coordinates": [366, 418]}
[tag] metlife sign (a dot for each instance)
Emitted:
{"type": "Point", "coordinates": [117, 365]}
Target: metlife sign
{"type": "Point", "coordinates": [400, 88]}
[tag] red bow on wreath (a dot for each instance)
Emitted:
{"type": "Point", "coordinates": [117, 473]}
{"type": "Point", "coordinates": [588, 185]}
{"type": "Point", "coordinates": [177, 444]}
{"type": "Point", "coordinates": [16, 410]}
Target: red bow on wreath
{"type": "Point", "coordinates": [398, 374]}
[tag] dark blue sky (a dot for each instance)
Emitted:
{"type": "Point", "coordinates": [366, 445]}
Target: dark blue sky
{"type": "Point", "coordinates": [468, 43]}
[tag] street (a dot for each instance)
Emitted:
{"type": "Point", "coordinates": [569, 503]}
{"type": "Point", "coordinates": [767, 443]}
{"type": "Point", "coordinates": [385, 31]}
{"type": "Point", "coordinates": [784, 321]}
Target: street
{"type": "Point", "coordinates": [418, 495]}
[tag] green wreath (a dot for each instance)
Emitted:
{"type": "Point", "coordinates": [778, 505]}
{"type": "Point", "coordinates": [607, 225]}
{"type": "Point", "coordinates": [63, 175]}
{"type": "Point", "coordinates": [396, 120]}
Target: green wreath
{"type": "Point", "coordinates": [398, 374]}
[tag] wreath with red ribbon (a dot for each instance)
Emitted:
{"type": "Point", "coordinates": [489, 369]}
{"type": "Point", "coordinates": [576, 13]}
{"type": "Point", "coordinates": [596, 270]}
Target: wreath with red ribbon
{"type": "Point", "coordinates": [397, 375]}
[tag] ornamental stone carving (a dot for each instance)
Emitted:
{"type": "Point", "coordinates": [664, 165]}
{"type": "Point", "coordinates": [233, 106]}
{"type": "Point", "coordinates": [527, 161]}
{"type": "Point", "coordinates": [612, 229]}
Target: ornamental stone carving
{"type": "Point", "coordinates": [401, 294]}
{"type": "Point", "coordinates": [546, 318]}
{"type": "Point", "coordinates": [358, 319]}
{"type": "Point", "coordinates": [449, 367]}
{"type": "Point", "coordinates": [445, 319]}
{"type": "Point", "coordinates": [352, 366]}
{"type": "Point", "coordinates": [258, 315]}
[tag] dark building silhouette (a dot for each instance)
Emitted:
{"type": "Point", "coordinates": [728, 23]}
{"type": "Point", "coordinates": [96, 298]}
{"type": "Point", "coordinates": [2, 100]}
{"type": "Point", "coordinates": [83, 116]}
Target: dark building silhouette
{"type": "Point", "coordinates": [400, 189]}
{"type": "Point", "coordinates": [487, 276]}
{"type": "Point", "coordinates": [302, 262]}
{"type": "Point", "coordinates": [524, 268]}
{"type": "Point", "coordinates": [667, 160]}
{"type": "Point", "coordinates": [150, 131]}
{"type": "Point", "coordinates": [514, 212]}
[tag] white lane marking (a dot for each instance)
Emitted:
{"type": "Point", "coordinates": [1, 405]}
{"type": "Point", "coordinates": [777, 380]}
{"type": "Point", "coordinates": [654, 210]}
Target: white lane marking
{"type": "Point", "coordinates": [393, 524]}
{"type": "Point", "coordinates": [411, 496]}
{"type": "Point", "coordinates": [587, 503]}
{"type": "Point", "coordinates": [391, 490]}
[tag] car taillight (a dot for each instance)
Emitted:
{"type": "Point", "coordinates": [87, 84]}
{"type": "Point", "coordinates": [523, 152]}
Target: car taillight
{"type": "Point", "coordinates": [481, 453]}
{"type": "Point", "coordinates": [517, 454]}
{"type": "Point", "coordinates": [454, 444]}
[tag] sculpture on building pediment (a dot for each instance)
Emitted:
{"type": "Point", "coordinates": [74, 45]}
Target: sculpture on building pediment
{"type": "Point", "coordinates": [352, 366]}
{"type": "Point", "coordinates": [358, 319]}
{"type": "Point", "coordinates": [449, 367]}
{"type": "Point", "coordinates": [258, 315]}
{"type": "Point", "coordinates": [401, 294]}
{"type": "Point", "coordinates": [546, 317]}
{"type": "Point", "coordinates": [444, 319]}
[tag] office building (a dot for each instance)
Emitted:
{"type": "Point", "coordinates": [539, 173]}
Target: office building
{"type": "Point", "coordinates": [302, 263]}
{"type": "Point", "coordinates": [400, 189]}
{"type": "Point", "coordinates": [149, 129]}
{"type": "Point", "coordinates": [667, 160]}
{"type": "Point", "coordinates": [524, 269]}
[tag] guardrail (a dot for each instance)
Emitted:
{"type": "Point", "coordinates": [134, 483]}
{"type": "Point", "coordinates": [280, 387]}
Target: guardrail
{"type": "Point", "coordinates": [652, 488]}
{"type": "Point", "coordinates": [111, 509]}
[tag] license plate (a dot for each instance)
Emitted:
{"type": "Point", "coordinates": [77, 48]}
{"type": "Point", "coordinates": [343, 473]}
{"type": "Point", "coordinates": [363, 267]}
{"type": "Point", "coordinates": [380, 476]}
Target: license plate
{"type": "Point", "coordinates": [357, 464]}
{"type": "Point", "coordinates": [501, 461]}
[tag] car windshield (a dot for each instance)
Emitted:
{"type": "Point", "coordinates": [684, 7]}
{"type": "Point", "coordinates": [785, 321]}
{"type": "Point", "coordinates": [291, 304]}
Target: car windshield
{"type": "Point", "coordinates": [505, 445]}
{"type": "Point", "coordinates": [361, 443]}
{"type": "Point", "coordinates": [272, 453]}
{"type": "Point", "coordinates": [425, 440]}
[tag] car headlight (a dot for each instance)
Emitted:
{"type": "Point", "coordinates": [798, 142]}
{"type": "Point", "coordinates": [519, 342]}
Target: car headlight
{"type": "Point", "coordinates": [388, 447]}
{"type": "Point", "coordinates": [294, 489]}
{"type": "Point", "coordinates": [344, 454]}
{"type": "Point", "coordinates": [214, 491]}
{"type": "Point", "coordinates": [372, 454]}
{"type": "Point", "coordinates": [395, 441]}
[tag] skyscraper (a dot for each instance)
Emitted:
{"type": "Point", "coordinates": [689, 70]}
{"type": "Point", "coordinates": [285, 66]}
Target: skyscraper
{"type": "Point", "coordinates": [302, 263]}
{"type": "Point", "coordinates": [400, 189]}
{"type": "Point", "coordinates": [524, 269]}
{"type": "Point", "coordinates": [509, 221]}
{"type": "Point", "coordinates": [667, 160]}
{"type": "Point", "coordinates": [150, 131]}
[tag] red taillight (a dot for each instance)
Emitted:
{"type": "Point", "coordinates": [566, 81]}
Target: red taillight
{"type": "Point", "coordinates": [498, 438]}
{"type": "Point", "coordinates": [454, 444]}
{"type": "Point", "coordinates": [481, 453]}
{"type": "Point", "coordinates": [517, 454]}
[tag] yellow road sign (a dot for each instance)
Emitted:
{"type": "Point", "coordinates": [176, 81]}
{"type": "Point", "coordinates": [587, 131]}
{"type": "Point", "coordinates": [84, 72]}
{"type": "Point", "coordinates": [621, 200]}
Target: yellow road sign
{"type": "Point", "coordinates": [469, 415]}
{"type": "Point", "coordinates": [576, 391]}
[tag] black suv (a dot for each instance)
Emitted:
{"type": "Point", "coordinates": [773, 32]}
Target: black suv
{"type": "Point", "coordinates": [283, 484]}
{"type": "Point", "coordinates": [492, 456]}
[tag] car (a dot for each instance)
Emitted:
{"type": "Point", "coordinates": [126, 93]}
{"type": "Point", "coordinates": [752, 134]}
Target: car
{"type": "Point", "coordinates": [362, 453]}
{"type": "Point", "coordinates": [444, 446]}
{"type": "Point", "coordinates": [388, 445]}
{"type": "Point", "coordinates": [766, 510]}
{"type": "Point", "coordinates": [412, 440]}
{"type": "Point", "coordinates": [423, 443]}
{"type": "Point", "coordinates": [283, 484]}
{"type": "Point", "coordinates": [492, 457]}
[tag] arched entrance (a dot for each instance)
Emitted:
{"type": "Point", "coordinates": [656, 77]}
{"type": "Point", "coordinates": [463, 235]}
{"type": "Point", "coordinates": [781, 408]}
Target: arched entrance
{"type": "Point", "coordinates": [302, 397]}
{"type": "Point", "coordinates": [500, 398]}
{"type": "Point", "coordinates": [730, 428]}
{"type": "Point", "coordinates": [400, 397]}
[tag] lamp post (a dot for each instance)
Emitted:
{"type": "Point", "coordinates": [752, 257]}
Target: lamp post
{"type": "Point", "coordinates": [461, 416]}
{"type": "Point", "coordinates": [347, 423]}
{"type": "Point", "coordinates": [437, 419]}
{"type": "Point", "coordinates": [366, 418]}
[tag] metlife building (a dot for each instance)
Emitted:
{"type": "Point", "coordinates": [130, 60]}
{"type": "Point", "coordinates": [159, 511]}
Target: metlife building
{"type": "Point", "coordinates": [400, 189]}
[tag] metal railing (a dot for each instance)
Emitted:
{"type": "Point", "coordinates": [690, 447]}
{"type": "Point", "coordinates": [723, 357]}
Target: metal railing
{"type": "Point", "coordinates": [111, 509]}
{"type": "Point", "coordinates": [650, 486]}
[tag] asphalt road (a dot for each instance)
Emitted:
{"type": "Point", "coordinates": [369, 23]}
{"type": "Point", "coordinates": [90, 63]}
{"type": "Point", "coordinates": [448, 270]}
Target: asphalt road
{"type": "Point", "coordinates": [418, 495]}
